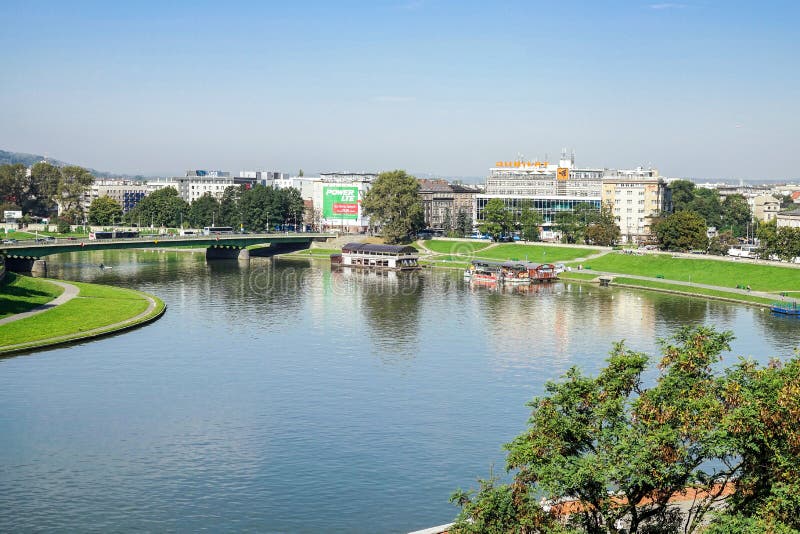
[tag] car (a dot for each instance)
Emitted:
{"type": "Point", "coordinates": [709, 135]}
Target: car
{"type": "Point", "coordinates": [9, 241]}
{"type": "Point", "coordinates": [506, 239]}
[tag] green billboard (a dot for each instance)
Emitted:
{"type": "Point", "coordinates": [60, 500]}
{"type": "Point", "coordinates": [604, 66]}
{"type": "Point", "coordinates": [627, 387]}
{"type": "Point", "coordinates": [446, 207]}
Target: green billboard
{"type": "Point", "coordinates": [339, 202]}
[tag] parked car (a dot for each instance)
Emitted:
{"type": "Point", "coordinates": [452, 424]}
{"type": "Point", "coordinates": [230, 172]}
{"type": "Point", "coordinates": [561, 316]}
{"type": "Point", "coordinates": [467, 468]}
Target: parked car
{"type": "Point", "coordinates": [9, 241]}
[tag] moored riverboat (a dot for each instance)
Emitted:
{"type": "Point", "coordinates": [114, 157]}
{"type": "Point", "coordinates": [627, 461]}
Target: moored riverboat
{"type": "Point", "coordinates": [370, 256]}
{"type": "Point", "coordinates": [786, 308]}
{"type": "Point", "coordinates": [510, 272]}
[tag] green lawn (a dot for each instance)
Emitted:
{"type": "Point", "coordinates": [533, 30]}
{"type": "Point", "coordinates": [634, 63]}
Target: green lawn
{"type": "Point", "coordinates": [701, 271]}
{"type": "Point", "coordinates": [535, 253]}
{"type": "Point", "coordinates": [464, 248]}
{"type": "Point", "coordinates": [96, 306]}
{"type": "Point", "coordinates": [21, 293]}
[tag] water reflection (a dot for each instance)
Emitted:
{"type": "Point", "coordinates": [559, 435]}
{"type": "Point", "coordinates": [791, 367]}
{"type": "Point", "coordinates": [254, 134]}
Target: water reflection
{"type": "Point", "coordinates": [269, 378]}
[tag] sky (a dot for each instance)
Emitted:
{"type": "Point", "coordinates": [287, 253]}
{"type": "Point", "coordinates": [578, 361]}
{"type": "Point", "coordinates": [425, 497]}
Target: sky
{"type": "Point", "coordinates": [696, 88]}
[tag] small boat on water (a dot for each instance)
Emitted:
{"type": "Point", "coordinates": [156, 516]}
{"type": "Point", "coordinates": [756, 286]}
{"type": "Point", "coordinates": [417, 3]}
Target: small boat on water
{"type": "Point", "coordinates": [785, 308]}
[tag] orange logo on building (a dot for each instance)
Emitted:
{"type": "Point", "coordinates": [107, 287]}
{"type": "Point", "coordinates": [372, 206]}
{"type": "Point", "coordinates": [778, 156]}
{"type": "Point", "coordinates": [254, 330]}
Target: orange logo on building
{"type": "Point", "coordinates": [562, 174]}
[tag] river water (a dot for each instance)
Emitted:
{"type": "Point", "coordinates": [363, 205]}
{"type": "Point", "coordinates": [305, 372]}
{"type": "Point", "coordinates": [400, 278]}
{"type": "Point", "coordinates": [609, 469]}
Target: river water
{"type": "Point", "coordinates": [278, 396]}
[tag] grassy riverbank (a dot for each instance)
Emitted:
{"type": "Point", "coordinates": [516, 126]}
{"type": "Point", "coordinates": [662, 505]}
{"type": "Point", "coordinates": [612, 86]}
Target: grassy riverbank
{"type": "Point", "coordinates": [97, 310]}
{"type": "Point", "coordinates": [21, 293]}
{"type": "Point", "coordinates": [771, 278]}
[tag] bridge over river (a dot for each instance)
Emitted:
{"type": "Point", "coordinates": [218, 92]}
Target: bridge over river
{"type": "Point", "coordinates": [26, 256]}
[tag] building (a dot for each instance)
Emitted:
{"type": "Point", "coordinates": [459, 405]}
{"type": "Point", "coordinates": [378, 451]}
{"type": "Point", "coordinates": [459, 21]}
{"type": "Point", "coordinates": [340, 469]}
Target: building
{"type": "Point", "coordinates": [765, 207]}
{"type": "Point", "coordinates": [127, 192]}
{"type": "Point", "coordinates": [789, 219]}
{"type": "Point", "coordinates": [337, 200]}
{"type": "Point", "coordinates": [195, 184]}
{"type": "Point", "coordinates": [442, 201]}
{"type": "Point", "coordinates": [543, 186]}
{"type": "Point", "coordinates": [634, 197]}
{"type": "Point", "coordinates": [365, 255]}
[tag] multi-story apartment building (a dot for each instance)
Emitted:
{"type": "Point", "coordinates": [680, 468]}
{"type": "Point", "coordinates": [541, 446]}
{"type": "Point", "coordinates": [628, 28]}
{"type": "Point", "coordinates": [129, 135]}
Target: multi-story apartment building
{"type": "Point", "coordinates": [634, 197]}
{"type": "Point", "coordinates": [127, 192]}
{"type": "Point", "coordinates": [765, 207]}
{"type": "Point", "coordinates": [442, 201]}
{"type": "Point", "coordinates": [195, 184]}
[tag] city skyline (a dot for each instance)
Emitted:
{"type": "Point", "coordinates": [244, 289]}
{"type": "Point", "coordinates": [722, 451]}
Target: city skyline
{"type": "Point", "coordinates": [698, 89]}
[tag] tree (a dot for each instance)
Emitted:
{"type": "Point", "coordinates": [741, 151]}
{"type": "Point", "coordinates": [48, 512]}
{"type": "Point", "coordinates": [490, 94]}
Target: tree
{"type": "Point", "coordinates": [683, 230]}
{"type": "Point", "coordinates": [496, 219]}
{"type": "Point", "coordinates": [682, 192]}
{"type": "Point", "coordinates": [14, 184]}
{"type": "Point", "coordinates": [736, 215]}
{"type": "Point", "coordinates": [44, 188]}
{"type": "Point", "coordinates": [203, 211]}
{"type": "Point", "coordinates": [603, 231]}
{"type": "Point", "coordinates": [394, 204]}
{"type": "Point", "coordinates": [300, 174]}
{"type": "Point", "coordinates": [73, 185]}
{"type": "Point", "coordinates": [590, 436]}
{"type": "Point", "coordinates": [787, 202]}
{"type": "Point", "coordinates": [721, 243]}
{"type": "Point", "coordinates": [706, 203]}
{"type": "Point", "coordinates": [229, 212]}
{"type": "Point", "coordinates": [463, 223]}
{"type": "Point", "coordinates": [160, 208]}
{"type": "Point", "coordinates": [105, 211]}
{"type": "Point", "coordinates": [529, 222]}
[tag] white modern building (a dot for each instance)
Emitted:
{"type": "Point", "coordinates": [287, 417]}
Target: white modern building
{"type": "Point", "coordinates": [195, 184]}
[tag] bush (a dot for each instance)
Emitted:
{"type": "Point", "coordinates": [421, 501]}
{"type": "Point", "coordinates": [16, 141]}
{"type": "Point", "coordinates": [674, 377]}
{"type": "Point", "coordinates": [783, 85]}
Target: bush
{"type": "Point", "coordinates": [63, 227]}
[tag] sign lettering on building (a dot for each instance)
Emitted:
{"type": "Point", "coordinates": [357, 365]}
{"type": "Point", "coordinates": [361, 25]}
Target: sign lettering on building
{"type": "Point", "coordinates": [340, 202]}
{"type": "Point", "coordinates": [562, 174]}
{"type": "Point", "coordinates": [522, 164]}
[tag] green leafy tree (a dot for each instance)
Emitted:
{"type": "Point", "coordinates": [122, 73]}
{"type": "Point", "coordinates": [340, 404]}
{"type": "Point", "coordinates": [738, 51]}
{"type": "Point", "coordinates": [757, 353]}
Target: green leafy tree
{"type": "Point", "coordinates": [229, 212]}
{"type": "Point", "coordinates": [72, 186]}
{"type": "Point", "coordinates": [736, 215]}
{"type": "Point", "coordinates": [203, 211]}
{"type": "Point", "coordinates": [787, 203]}
{"type": "Point", "coordinates": [463, 225]}
{"type": "Point", "coordinates": [14, 184]}
{"type": "Point", "coordinates": [721, 243]}
{"type": "Point", "coordinates": [105, 211]}
{"type": "Point", "coordinates": [393, 203]}
{"type": "Point", "coordinates": [44, 188]}
{"type": "Point", "coordinates": [497, 221]}
{"type": "Point", "coordinates": [693, 428]}
{"type": "Point", "coordinates": [706, 203]}
{"type": "Point", "coordinates": [603, 230]}
{"type": "Point", "coordinates": [683, 230]}
{"type": "Point", "coordinates": [529, 222]}
{"type": "Point", "coordinates": [682, 193]}
{"type": "Point", "coordinates": [160, 208]}
{"type": "Point", "coordinates": [447, 224]}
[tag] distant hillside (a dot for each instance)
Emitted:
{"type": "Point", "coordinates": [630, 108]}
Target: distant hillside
{"type": "Point", "coordinates": [12, 158]}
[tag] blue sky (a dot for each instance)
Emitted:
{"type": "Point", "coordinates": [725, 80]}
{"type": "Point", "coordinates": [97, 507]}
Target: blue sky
{"type": "Point", "coordinates": [707, 89]}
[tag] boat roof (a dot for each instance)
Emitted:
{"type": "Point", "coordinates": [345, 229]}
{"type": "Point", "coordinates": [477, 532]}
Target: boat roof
{"type": "Point", "coordinates": [384, 249]}
{"type": "Point", "coordinates": [511, 264]}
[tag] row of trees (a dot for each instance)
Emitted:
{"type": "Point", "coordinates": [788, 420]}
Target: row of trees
{"type": "Point", "coordinates": [694, 427]}
{"type": "Point", "coordinates": [257, 208]}
{"type": "Point", "coordinates": [733, 213]}
{"type": "Point", "coordinates": [39, 192]}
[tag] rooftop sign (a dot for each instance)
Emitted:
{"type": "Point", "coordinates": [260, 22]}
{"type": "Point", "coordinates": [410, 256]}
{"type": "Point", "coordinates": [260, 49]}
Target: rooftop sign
{"type": "Point", "coordinates": [523, 164]}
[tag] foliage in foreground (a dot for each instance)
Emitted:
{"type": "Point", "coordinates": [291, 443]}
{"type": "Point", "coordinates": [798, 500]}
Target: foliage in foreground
{"type": "Point", "coordinates": [623, 451]}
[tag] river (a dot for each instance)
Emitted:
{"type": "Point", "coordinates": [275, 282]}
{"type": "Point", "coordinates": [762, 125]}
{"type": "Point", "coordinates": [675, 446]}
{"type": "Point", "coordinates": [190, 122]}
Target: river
{"type": "Point", "coordinates": [278, 396]}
